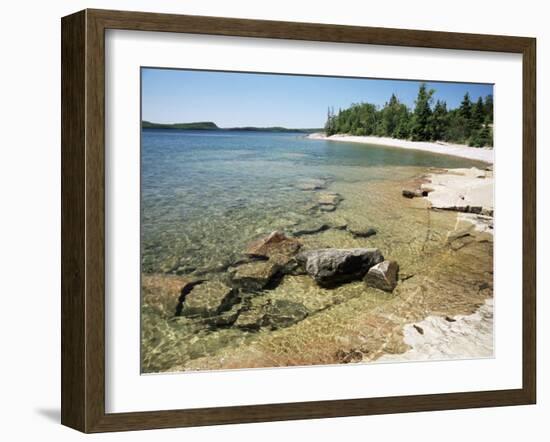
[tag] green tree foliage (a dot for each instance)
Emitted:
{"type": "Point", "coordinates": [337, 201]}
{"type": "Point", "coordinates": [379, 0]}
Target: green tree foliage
{"type": "Point", "coordinates": [439, 123]}
{"type": "Point", "coordinates": [481, 137]}
{"type": "Point", "coordinates": [470, 123]}
{"type": "Point", "coordinates": [488, 104]}
{"type": "Point", "coordinates": [330, 125]}
{"type": "Point", "coordinates": [465, 109]}
{"type": "Point", "coordinates": [478, 113]}
{"type": "Point", "coordinates": [422, 115]}
{"type": "Point", "coordinates": [394, 119]}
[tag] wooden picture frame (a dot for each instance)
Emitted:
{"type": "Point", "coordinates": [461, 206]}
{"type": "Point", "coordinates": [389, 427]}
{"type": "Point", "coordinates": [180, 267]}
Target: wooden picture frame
{"type": "Point", "coordinates": [83, 220]}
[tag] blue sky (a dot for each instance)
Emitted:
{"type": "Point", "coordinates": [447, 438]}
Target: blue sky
{"type": "Point", "coordinates": [243, 99]}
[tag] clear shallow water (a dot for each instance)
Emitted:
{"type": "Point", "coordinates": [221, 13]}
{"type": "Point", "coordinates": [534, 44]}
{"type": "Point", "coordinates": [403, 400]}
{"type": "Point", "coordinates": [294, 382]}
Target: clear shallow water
{"type": "Point", "coordinates": [206, 194]}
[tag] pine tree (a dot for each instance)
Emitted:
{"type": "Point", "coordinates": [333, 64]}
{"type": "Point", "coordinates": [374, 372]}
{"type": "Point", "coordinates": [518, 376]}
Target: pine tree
{"type": "Point", "coordinates": [420, 129]}
{"type": "Point", "coordinates": [465, 109]}
{"type": "Point", "coordinates": [466, 113]}
{"type": "Point", "coordinates": [329, 125]}
{"type": "Point", "coordinates": [478, 114]}
{"type": "Point", "coordinates": [439, 122]}
{"type": "Point", "coordinates": [389, 118]}
{"type": "Point", "coordinates": [481, 137]}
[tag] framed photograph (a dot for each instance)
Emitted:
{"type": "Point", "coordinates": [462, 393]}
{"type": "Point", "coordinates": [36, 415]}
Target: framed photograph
{"type": "Point", "coordinates": [267, 220]}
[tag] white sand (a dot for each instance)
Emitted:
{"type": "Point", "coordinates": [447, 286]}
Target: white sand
{"type": "Point", "coordinates": [457, 150]}
{"type": "Point", "coordinates": [459, 188]}
{"type": "Point", "coordinates": [467, 337]}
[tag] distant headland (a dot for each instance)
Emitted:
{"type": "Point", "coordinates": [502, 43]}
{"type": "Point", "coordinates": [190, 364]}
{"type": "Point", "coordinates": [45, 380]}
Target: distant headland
{"type": "Point", "coordinates": [210, 125]}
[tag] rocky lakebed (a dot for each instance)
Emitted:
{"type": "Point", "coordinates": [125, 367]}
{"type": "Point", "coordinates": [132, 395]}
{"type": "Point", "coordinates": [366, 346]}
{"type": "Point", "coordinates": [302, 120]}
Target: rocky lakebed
{"type": "Point", "coordinates": [348, 283]}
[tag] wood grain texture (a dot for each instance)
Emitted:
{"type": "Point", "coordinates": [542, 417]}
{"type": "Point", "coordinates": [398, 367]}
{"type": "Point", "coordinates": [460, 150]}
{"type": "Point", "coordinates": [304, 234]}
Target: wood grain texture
{"type": "Point", "coordinates": [529, 220]}
{"type": "Point", "coordinates": [83, 219]}
{"type": "Point", "coordinates": [73, 255]}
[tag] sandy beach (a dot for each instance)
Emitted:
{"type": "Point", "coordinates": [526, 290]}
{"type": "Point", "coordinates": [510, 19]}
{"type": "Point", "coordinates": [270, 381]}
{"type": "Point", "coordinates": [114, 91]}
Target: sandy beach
{"type": "Point", "coordinates": [458, 150]}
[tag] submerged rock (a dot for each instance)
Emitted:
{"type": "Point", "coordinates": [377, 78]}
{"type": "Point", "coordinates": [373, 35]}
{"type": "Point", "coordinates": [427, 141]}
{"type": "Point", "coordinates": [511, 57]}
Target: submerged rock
{"type": "Point", "coordinates": [327, 207]}
{"type": "Point", "coordinates": [414, 193]}
{"type": "Point", "coordinates": [219, 267]}
{"type": "Point", "coordinates": [276, 314]}
{"type": "Point", "coordinates": [457, 241]}
{"type": "Point", "coordinates": [277, 247]}
{"type": "Point", "coordinates": [307, 230]}
{"type": "Point", "coordinates": [362, 232]}
{"type": "Point", "coordinates": [351, 356]}
{"type": "Point", "coordinates": [283, 313]}
{"type": "Point", "coordinates": [224, 319]}
{"type": "Point", "coordinates": [383, 276]}
{"type": "Point", "coordinates": [330, 267]}
{"type": "Point", "coordinates": [160, 293]}
{"type": "Point", "coordinates": [209, 298]}
{"type": "Point", "coordinates": [255, 275]}
{"type": "Point", "coordinates": [311, 184]}
{"type": "Point", "coordinates": [329, 198]}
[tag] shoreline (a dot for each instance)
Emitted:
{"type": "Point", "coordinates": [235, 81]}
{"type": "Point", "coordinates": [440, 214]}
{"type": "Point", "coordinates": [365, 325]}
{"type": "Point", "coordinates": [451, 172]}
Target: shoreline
{"type": "Point", "coordinates": [463, 190]}
{"type": "Point", "coordinates": [438, 338]}
{"type": "Point", "coordinates": [458, 150]}
{"type": "Point", "coordinates": [441, 307]}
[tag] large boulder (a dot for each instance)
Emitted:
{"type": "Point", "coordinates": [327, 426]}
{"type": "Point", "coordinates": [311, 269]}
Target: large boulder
{"type": "Point", "coordinates": [254, 275]}
{"type": "Point", "coordinates": [209, 298]}
{"type": "Point", "coordinates": [276, 314]}
{"type": "Point", "coordinates": [383, 276]}
{"type": "Point", "coordinates": [331, 267]}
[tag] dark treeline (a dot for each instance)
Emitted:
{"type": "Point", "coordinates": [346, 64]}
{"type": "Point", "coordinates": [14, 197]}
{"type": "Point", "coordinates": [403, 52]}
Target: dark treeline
{"type": "Point", "coordinates": [471, 123]}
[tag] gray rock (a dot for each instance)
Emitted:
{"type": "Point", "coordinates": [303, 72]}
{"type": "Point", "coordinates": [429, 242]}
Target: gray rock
{"type": "Point", "coordinates": [271, 314]}
{"type": "Point", "coordinates": [330, 267]}
{"type": "Point", "coordinates": [383, 276]}
{"type": "Point", "coordinates": [209, 298]}
{"type": "Point", "coordinates": [254, 275]}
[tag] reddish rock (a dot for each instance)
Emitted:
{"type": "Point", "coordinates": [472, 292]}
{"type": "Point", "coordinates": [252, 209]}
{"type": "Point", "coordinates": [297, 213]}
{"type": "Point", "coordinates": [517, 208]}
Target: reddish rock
{"type": "Point", "coordinates": [276, 246]}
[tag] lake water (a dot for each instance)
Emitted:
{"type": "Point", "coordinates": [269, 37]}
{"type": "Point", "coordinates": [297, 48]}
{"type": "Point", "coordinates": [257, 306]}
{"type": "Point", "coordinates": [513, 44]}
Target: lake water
{"type": "Point", "coordinates": [206, 195]}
